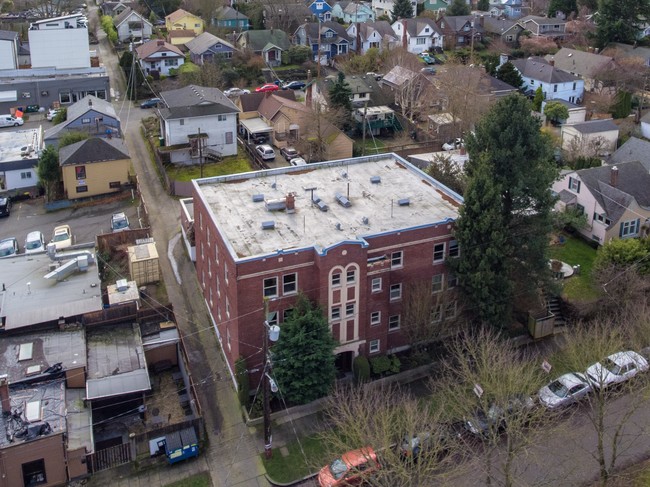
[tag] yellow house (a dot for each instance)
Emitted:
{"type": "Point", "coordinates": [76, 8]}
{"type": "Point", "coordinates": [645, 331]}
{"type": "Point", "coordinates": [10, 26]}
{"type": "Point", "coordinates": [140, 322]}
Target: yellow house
{"type": "Point", "coordinates": [94, 166]}
{"type": "Point", "coordinates": [183, 20]}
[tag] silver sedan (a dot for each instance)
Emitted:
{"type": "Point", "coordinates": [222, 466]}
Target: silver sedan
{"type": "Point", "coordinates": [564, 390]}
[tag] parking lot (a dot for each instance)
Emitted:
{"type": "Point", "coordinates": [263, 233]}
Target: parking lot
{"type": "Point", "coordinates": [85, 222]}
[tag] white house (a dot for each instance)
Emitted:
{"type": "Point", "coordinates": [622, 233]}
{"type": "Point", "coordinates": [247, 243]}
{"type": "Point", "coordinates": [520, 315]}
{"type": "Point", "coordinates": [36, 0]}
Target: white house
{"type": "Point", "coordinates": [193, 114]}
{"type": "Point", "coordinates": [157, 56]}
{"type": "Point", "coordinates": [594, 138]}
{"type": "Point", "coordinates": [577, 113]}
{"type": "Point", "coordinates": [132, 25]}
{"type": "Point", "coordinates": [60, 42]}
{"type": "Point", "coordinates": [385, 7]}
{"type": "Point", "coordinates": [8, 49]}
{"type": "Point", "coordinates": [614, 198]}
{"type": "Point", "coordinates": [418, 35]}
{"type": "Point", "coordinates": [645, 125]}
{"type": "Point", "coordinates": [555, 83]}
{"type": "Point", "coordinates": [379, 35]}
{"type": "Point", "coordinates": [19, 158]}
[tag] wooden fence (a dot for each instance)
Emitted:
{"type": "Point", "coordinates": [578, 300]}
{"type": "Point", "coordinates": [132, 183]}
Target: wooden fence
{"type": "Point", "coordinates": [110, 457]}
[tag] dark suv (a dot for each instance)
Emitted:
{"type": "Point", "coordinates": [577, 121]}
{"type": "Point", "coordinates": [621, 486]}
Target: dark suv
{"type": "Point", "coordinates": [5, 205]}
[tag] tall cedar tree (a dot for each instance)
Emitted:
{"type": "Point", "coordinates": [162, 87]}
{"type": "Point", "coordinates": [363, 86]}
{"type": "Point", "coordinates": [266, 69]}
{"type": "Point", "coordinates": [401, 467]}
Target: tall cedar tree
{"type": "Point", "coordinates": [458, 7]}
{"type": "Point", "coordinates": [620, 20]}
{"type": "Point", "coordinates": [509, 74]}
{"type": "Point", "coordinates": [341, 94]}
{"type": "Point", "coordinates": [402, 9]}
{"type": "Point", "coordinates": [539, 99]}
{"type": "Point", "coordinates": [303, 357]}
{"type": "Point", "coordinates": [504, 232]}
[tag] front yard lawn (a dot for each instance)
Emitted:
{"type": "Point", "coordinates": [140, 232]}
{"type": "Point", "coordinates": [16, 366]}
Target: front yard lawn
{"type": "Point", "coordinates": [373, 145]}
{"type": "Point", "coordinates": [230, 165]}
{"type": "Point", "coordinates": [294, 466]}
{"type": "Point", "coordinates": [198, 480]}
{"type": "Point", "coordinates": [575, 251]}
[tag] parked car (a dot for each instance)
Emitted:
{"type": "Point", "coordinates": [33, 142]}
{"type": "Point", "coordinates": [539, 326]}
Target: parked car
{"type": "Point", "coordinates": [62, 237]}
{"type": "Point", "coordinates": [457, 143]}
{"type": "Point", "coordinates": [616, 368]}
{"type": "Point", "coordinates": [564, 390]}
{"type": "Point", "coordinates": [10, 121]}
{"type": "Point", "coordinates": [298, 161]}
{"type": "Point", "coordinates": [266, 152]}
{"type": "Point", "coordinates": [8, 247]}
{"type": "Point", "coordinates": [294, 85]}
{"type": "Point", "coordinates": [377, 76]}
{"type": "Point", "coordinates": [5, 205]}
{"type": "Point", "coordinates": [119, 222]}
{"type": "Point", "coordinates": [428, 70]}
{"type": "Point", "coordinates": [498, 415]}
{"type": "Point", "coordinates": [150, 103]}
{"type": "Point", "coordinates": [412, 446]}
{"type": "Point", "coordinates": [51, 113]}
{"type": "Point", "coordinates": [267, 87]}
{"type": "Point", "coordinates": [289, 153]}
{"type": "Point", "coordinates": [351, 468]}
{"type": "Point", "coordinates": [259, 138]}
{"type": "Point", "coordinates": [35, 242]}
{"type": "Point", "coordinates": [429, 59]}
{"type": "Point", "coordinates": [236, 92]}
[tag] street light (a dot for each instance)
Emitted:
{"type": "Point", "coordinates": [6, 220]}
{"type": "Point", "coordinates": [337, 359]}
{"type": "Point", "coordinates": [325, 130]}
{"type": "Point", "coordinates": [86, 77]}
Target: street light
{"type": "Point", "coordinates": [271, 332]}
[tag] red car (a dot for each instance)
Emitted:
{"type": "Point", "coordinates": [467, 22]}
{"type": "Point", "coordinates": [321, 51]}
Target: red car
{"type": "Point", "coordinates": [352, 468]}
{"type": "Point", "coordinates": [267, 87]}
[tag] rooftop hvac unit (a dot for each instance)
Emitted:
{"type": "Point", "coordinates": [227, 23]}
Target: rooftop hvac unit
{"type": "Point", "coordinates": [122, 285]}
{"type": "Point", "coordinates": [404, 202]}
{"type": "Point", "coordinates": [338, 226]}
{"type": "Point", "coordinates": [365, 220]}
{"type": "Point", "coordinates": [258, 198]}
{"type": "Point", "coordinates": [343, 201]}
{"type": "Point", "coordinates": [315, 198]}
{"type": "Point", "coordinates": [268, 225]}
{"type": "Point", "coordinates": [322, 206]}
{"type": "Point", "coordinates": [375, 179]}
{"type": "Point", "coordinates": [275, 205]}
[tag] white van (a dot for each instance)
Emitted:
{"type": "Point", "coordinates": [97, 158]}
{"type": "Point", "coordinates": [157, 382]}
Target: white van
{"type": "Point", "coordinates": [266, 152]}
{"type": "Point", "coordinates": [9, 121]}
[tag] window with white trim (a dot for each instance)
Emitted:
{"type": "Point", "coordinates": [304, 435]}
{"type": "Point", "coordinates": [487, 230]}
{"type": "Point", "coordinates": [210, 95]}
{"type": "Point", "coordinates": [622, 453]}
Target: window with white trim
{"type": "Point", "coordinates": [629, 228]}
{"type": "Point", "coordinates": [270, 287]}
{"type": "Point", "coordinates": [396, 259]}
{"type": "Point", "coordinates": [349, 309]}
{"type": "Point", "coordinates": [439, 252]}
{"type": "Point", "coordinates": [454, 249]}
{"type": "Point", "coordinates": [351, 275]}
{"type": "Point", "coordinates": [395, 292]}
{"type": "Point", "coordinates": [376, 285]}
{"type": "Point", "coordinates": [450, 310]}
{"type": "Point", "coordinates": [336, 313]}
{"type": "Point", "coordinates": [373, 346]}
{"type": "Point", "coordinates": [290, 283]}
{"type": "Point", "coordinates": [272, 318]}
{"type": "Point", "coordinates": [394, 322]}
{"type": "Point", "coordinates": [574, 184]}
{"type": "Point", "coordinates": [221, 118]}
{"type": "Point", "coordinates": [336, 279]}
{"type": "Point", "coordinates": [602, 218]}
{"type": "Point", "coordinates": [437, 283]}
{"type": "Point", "coordinates": [375, 318]}
{"type": "Point", "coordinates": [436, 314]}
{"type": "Point", "coordinates": [452, 280]}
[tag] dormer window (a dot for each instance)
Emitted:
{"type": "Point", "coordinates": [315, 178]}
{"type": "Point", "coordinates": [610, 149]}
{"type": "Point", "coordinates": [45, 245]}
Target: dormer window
{"type": "Point", "coordinates": [329, 33]}
{"type": "Point", "coordinates": [319, 6]}
{"type": "Point", "coordinates": [466, 28]}
{"type": "Point", "coordinates": [426, 30]}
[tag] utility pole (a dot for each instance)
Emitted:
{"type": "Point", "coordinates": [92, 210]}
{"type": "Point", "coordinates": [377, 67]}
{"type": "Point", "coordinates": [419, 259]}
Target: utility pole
{"type": "Point", "coordinates": [270, 333]}
{"type": "Point", "coordinates": [318, 54]}
{"type": "Point", "coordinates": [200, 141]}
{"type": "Point", "coordinates": [363, 143]}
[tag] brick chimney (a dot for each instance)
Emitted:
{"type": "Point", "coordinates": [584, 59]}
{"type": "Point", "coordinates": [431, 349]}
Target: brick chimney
{"type": "Point", "coordinates": [4, 395]}
{"type": "Point", "coordinates": [160, 43]}
{"type": "Point", "coordinates": [613, 176]}
{"type": "Point", "coordinates": [405, 42]}
{"type": "Point", "coordinates": [290, 203]}
{"type": "Point", "coordinates": [551, 61]}
{"type": "Point", "coordinates": [481, 21]}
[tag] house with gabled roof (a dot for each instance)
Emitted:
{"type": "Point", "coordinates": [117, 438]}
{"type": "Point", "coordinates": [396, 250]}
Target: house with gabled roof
{"type": "Point", "coordinates": [184, 20]}
{"type": "Point", "coordinates": [512, 9]}
{"type": "Point", "coordinates": [198, 121]}
{"type": "Point", "coordinates": [506, 30]}
{"type": "Point", "coordinates": [378, 35]}
{"type": "Point", "coordinates": [130, 24]}
{"type": "Point", "coordinates": [94, 166]}
{"type": "Point", "coordinates": [418, 35]}
{"type": "Point", "coordinates": [158, 57]}
{"type": "Point", "coordinates": [439, 7]}
{"type": "Point", "coordinates": [614, 198]}
{"type": "Point", "coordinates": [180, 37]}
{"type": "Point", "coordinates": [320, 9]}
{"type": "Point", "coordinates": [330, 37]}
{"type": "Point", "coordinates": [626, 51]}
{"type": "Point", "coordinates": [385, 7]}
{"type": "Point", "coordinates": [270, 44]}
{"type": "Point", "coordinates": [207, 48]}
{"type": "Point", "coordinates": [458, 31]}
{"type": "Point", "coordinates": [550, 27]}
{"type": "Point", "coordinates": [594, 138]}
{"type": "Point", "coordinates": [116, 8]}
{"type": "Point", "coordinates": [634, 149]}
{"type": "Point", "coordinates": [229, 18]}
{"type": "Point", "coordinates": [587, 65]}
{"type": "Point", "coordinates": [555, 83]}
{"type": "Point", "coordinates": [353, 12]}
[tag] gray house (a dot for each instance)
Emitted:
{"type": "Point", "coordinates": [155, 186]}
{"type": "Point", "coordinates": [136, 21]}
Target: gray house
{"type": "Point", "coordinates": [207, 47]}
{"type": "Point", "coordinates": [90, 115]}
{"type": "Point", "coordinates": [270, 44]}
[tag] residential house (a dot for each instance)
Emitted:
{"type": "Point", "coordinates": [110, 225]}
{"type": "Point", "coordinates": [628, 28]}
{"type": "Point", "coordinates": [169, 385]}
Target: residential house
{"type": "Point", "coordinates": [131, 25]}
{"type": "Point", "coordinates": [360, 282]}
{"type": "Point", "coordinates": [19, 159]}
{"type": "Point", "coordinates": [320, 9]}
{"type": "Point", "coordinates": [90, 115]}
{"type": "Point", "coordinates": [627, 51]}
{"type": "Point", "coordinates": [555, 83]}
{"type": "Point", "coordinates": [8, 49]}
{"type": "Point", "coordinates": [418, 35]}
{"type": "Point", "coordinates": [586, 65]}
{"type": "Point", "coordinates": [226, 17]}
{"type": "Point", "coordinates": [645, 125]}
{"type": "Point", "coordinates": [458, 31]}
{"type": "Point", "coordinates": [47, 38]}
{"type": "Point", "coordinates": [385, 7]}
{"type": "Point", "coordinates": [594, 138]}
{"type": "Point", "coordinates": [116, 8]}
{"type": "Point", "coordinates": [180, 37]}
{"type": "Point", "coordinates": [352, 12]}
{"type": "Point", "coordinates": [270, 44]}
{"type": "Point", "coordinates": [183, 20]}
{"type": "Point", "coordinates": [376, 120]}
{"type": "Point", "coordinates": [286, 15]}
{"type": "Point", "coordinates": [512, 9]}
{"type": "Point", "coordinates": [326, 40]}
{"type": "Point", "coordinates": [412, 91]}
{"type": "Point", "coordinates": [439, 7]}
{"type": "Point", "coordinates": [157, 57]}
{"type": "Point", "coordinates": [634, 149]}
{"type": "Point", "coordinates": [378, 35]}
{"type": "Point", "coordinates": [94, 167]}
{"type": "Point", "coordinates": [550, 27]}
{"type": "Point", "coordinates": [506, 30]}
{"type": "Point", "coordinates": [614, 198]}
{"type": "Point", "coordinates": [208, 48]}
{"type": "Point", "coordinates": [577, 113]}
{"type": "Point", "coordinates": [198, 121]}
{"type": "Point", "coordinates": [252, 124]}
{"type": "Point", "coordinates": [365, 91]}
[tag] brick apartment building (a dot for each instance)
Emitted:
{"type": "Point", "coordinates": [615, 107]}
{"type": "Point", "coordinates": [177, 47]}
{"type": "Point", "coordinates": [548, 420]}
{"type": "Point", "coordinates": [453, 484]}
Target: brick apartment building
{"type": "Point", "coordinates": [350, 234]}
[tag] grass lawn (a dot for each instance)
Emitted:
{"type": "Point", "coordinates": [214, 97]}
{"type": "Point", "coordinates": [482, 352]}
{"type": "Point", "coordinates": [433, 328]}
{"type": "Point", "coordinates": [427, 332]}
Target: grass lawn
{"type": "Point", "coordinates": [294, 466]}
{"type": "Point", "coordinates": [229, 165]}
{"type": "Point", "coordinates": [373, 145]}
{"type": "Point", "coordinates": [577, 251]}
{"type": "Point", "coordinates": [198, 480]}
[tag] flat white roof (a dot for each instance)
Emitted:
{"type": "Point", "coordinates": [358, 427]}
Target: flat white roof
{"type": "Point", "coordinates": [13, 141]}
{"type": "Point", "coordinates": [374, 207]}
